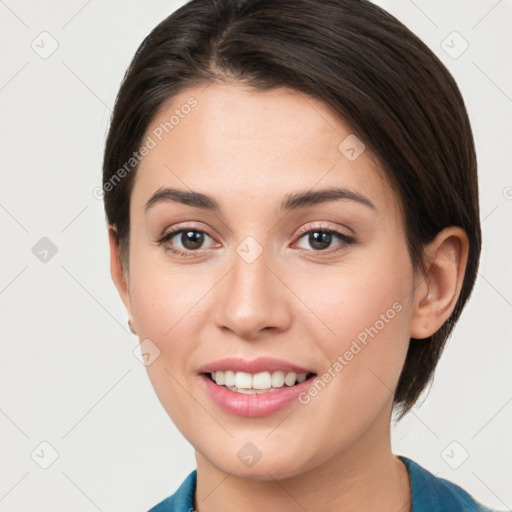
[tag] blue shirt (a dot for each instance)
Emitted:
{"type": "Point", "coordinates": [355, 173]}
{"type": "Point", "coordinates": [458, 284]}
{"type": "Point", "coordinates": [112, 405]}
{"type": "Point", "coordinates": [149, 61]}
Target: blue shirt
{"type": "Point", "coordinates": [429, 494]}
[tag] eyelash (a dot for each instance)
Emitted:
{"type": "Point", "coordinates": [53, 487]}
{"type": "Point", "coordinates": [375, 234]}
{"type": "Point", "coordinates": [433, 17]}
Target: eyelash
{"type": "Point", "coordinates": [343, 238]}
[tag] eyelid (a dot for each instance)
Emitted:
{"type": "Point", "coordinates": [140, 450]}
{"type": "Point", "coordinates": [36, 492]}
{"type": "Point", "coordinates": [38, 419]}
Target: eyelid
{"type": "Point", "coordinates": [344, 239]}
{"type": "Point", "coordinates": [177, 229]}
{"type": "Point", "coordinates": [189, 225]}
{"type": "Point", "coordinates": [321, 226]}
{"type": "Point", "coordinates": [192, 226]}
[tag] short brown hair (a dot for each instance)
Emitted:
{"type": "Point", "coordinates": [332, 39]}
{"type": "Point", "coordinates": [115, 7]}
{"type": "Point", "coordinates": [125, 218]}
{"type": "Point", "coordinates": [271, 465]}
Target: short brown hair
{"type": "Point", "coordinates": [385, 83]}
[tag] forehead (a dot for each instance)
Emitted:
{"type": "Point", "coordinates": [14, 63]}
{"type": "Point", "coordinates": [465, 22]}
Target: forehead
{"type": "Point", "coordinates": [227, 137]}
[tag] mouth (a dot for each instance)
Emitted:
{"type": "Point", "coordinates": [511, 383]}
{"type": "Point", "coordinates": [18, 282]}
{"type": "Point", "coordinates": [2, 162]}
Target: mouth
{"type": "Point", "coordinates": [254, 388]}
{"type": "Point", "coordinates": [257, 383]}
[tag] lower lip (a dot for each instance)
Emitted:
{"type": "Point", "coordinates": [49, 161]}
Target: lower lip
{"type": "Point", "coordinates": [254, 405]}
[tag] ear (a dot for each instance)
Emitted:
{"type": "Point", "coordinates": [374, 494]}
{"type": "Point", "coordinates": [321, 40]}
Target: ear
{"type": "Point", "coordinates": [437, 293]}
{"type": "Point", "coordinates": [118, 276]}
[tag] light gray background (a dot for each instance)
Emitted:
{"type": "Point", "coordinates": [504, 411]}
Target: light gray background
{"type": "Point", "coordinates": [68, 374]}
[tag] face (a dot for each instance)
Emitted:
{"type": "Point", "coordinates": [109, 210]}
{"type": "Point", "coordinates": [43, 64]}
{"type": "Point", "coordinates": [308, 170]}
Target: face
{"type": "Point", "coordinates": [254, 284]}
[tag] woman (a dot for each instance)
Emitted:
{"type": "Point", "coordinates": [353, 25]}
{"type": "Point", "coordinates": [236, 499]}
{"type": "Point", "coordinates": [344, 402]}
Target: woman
{"type": "Point", "coordinates": [292, 202]}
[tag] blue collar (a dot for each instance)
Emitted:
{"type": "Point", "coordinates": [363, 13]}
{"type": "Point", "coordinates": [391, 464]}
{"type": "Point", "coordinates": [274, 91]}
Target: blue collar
{"type": "Point", "coordinates": [433, 494]}
{"type": "Point", "coordinates": [429, 494]}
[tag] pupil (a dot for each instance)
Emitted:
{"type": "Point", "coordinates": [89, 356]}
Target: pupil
{"type": "Point", "coordinates": [192, 239]}
{"type": "Point", "coordinates": [320, 239]}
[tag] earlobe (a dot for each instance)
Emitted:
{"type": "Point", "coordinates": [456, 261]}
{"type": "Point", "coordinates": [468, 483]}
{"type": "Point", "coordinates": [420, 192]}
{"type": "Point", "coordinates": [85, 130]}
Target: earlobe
{"type": "Point", "coordinates": [438, 291]}
{"type": "Point", "coordinates": [118, 276]}
{"type": "Point", "coordinates": [130, 325]}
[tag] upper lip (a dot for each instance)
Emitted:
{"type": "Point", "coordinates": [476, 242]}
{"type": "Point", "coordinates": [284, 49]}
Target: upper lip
{"type": "Point", "coordinates": [261, 364]}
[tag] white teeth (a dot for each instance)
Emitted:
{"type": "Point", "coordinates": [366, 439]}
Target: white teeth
{"type": "Point", "coordinates": [244, 382]}
{"type": "Point", "coordinates": [229, 377]}
{"type": "Point", "coordinates": [277, 379]}
{"type": "Point", "coordinates": [290, 379]}
{"type": "Point", "coordinates": [301, 377]}
{"type": "Point", "coordinates": [262, 380]}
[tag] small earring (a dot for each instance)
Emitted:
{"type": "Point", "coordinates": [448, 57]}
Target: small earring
{"type": "Point", "coordinates": [429, 296]}
{"type": "Point", "coordinates": [130, 325]}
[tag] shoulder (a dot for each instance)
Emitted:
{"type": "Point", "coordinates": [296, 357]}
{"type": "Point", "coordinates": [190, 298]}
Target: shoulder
{"type": "Point", "coordinates": [433, 494]}
{"type": "Point", "coordinates": [182, 500]}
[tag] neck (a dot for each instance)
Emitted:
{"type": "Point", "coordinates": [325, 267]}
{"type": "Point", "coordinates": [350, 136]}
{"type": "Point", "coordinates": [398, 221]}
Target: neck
{"type": "Point", "coordinates": [363, 477]}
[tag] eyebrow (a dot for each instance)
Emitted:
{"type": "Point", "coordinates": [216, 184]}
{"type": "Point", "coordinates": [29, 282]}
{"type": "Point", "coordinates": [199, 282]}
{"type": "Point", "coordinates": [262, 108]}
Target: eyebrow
{"type": "Point", "coordinates": [292, 201]}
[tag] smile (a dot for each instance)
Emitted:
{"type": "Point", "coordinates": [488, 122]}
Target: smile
{"type": "Point", "coordinates": [256, 387]}
{"type": "Point", "coordinates": [262, 382]}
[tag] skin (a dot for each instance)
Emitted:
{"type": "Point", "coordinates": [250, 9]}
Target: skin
{"type": "Point", "coordinates": [249, 149]}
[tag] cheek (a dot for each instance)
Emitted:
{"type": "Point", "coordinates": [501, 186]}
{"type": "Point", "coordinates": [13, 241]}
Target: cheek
{"type": "Point", "coordinates": [363, 301]}
{"type": "Point", "coordinates": [164, 297]}
{"type": "Point", "coordinates": [166, 304]}
{"type": "Point", "coordinates": [367, 310]}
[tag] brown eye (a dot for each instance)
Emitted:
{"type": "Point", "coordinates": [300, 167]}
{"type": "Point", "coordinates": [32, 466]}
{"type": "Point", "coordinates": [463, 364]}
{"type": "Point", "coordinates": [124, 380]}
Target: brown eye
{"type": "Point", "coordinates": [184, 241]}
{"type": "Point", "coordinates": [321, 239]}
{"type": "Point", "coordinates": [191, 239]}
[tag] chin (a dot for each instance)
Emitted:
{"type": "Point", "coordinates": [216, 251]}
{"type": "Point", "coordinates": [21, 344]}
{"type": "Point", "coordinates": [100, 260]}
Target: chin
{"type": "Point", "coordinates": [268, 467]}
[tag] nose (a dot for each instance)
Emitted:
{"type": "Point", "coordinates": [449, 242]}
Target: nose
{"type": "Point", "coordinates": [253, 300]}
